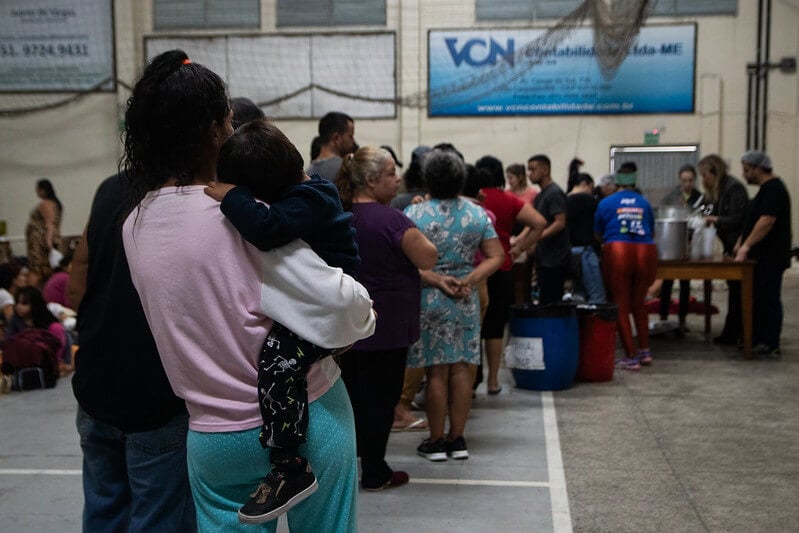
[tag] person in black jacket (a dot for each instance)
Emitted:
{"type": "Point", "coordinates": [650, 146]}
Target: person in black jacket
{"type": "Point", "coordinates": [132, 426]}
{"type": "Point", "coordinates": [730, 202]}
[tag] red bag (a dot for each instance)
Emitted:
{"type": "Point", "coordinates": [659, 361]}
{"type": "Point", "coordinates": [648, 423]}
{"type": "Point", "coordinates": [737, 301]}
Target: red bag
{"type": "Point", "coordinates": [29, 348]}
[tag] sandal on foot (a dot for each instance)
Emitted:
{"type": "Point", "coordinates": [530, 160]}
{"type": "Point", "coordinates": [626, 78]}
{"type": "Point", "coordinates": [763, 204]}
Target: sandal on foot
{"type": "Point", "coordinates": [418, 424]}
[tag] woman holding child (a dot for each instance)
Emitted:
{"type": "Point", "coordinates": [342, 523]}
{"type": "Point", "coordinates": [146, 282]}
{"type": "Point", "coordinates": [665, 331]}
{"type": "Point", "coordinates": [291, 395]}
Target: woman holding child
{"type": "Point", "coordinates": [210, 299]}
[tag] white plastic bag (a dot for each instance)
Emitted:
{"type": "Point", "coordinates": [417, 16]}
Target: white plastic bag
{"type": "Point", "coordinates": [696, 248]}
{"type": "Point", "coordinates": [55, 258]}
{"type": "Point", "coordinates": [703, 242]}
{"type": "Point", "coordinates": [709, 244]}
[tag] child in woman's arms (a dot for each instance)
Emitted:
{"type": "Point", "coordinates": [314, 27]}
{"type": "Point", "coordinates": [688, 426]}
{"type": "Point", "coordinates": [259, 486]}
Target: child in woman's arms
{"type": "Point", "coordinates": [258, 161]}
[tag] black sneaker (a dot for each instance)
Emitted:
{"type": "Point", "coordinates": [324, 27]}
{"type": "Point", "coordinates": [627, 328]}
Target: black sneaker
{"type": "Point", "coordinates": [277, 493]}
{"type": "Point", "coordinates": [433, 451]}
{"type": "Point", "coordinates": [764, 351]}
{"type": "Point", "coordinates": [456, 449]}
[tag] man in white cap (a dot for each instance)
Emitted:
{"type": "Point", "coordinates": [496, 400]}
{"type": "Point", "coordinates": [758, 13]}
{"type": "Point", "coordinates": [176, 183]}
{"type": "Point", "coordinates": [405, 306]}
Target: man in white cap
{"type": "Point", "coordinates": [605, 186]}
{"type": "Point", "coordinates": [766, 238]}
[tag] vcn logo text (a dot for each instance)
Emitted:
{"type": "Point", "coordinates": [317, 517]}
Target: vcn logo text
{"type": "Point", "coordinates": [473, 52]}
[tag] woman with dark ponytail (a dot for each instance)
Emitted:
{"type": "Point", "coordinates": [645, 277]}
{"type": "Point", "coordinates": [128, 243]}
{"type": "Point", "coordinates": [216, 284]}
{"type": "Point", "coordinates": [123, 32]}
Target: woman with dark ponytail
{"type": "Point", "coordinates": [574, 173]}
{"type": "Point", "coordinates": [210, 299]}
{"type": "Point", "coordinates": [167, 123]}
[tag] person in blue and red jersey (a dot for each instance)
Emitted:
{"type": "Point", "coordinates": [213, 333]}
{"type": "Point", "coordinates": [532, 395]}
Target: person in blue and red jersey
{"type": "Point", "coordinates": [625, 223]}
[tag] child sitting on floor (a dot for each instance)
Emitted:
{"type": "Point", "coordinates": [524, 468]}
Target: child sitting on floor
{"type": "Point", "coordinates": [31, 312]}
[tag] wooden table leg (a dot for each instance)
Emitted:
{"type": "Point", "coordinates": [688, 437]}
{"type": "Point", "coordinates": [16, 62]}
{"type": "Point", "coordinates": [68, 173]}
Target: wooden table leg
{"type": "Point", "coordinates": [746, 311]}
{"type": "Point", "coordinates": [708, 304]}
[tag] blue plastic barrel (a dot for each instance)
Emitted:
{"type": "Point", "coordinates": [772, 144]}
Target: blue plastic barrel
{"type": "Point", "coordinates": [556, 325]}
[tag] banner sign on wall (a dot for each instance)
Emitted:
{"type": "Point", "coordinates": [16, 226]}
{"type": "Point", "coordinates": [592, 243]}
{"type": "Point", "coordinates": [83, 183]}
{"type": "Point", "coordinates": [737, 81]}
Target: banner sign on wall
{"type": "Point", "coordinates": [494, 72]}
{"type": "Point", "coordinates": [56, 45]}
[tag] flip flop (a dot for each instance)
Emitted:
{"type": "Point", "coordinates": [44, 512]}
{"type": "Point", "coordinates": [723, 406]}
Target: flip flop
{"type": "Point", "coordinates": [420, 424]}
{"type": "Point", "coordinates": [494, 392]}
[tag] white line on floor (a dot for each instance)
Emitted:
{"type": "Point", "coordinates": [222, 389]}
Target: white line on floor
{"type": "Point", "coordinates": [484, 482]}
{"type": "Point", "coordinates": [561, 517]}
{"type": "Point", "coordinates": [37, 472]}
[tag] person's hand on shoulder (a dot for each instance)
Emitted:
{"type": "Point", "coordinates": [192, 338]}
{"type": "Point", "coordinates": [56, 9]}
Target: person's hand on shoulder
{"type": "Point", "coordinates": [217, 190]}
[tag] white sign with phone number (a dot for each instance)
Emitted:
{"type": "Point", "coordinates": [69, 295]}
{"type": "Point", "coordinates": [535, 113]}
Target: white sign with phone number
{"type": "Point", "coordinates": [56, 45]}
{"type": "Point", "coordinates": [525, 353]}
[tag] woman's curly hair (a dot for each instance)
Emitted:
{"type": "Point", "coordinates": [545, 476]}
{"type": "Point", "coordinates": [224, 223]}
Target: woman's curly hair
{"type": "Point", "coordinates": [167, 122]}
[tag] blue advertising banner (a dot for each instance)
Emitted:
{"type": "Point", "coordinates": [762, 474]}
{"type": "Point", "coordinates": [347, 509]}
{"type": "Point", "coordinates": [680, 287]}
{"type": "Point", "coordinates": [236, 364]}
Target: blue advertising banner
{"type": "Point", "coordinates": [501, 72]}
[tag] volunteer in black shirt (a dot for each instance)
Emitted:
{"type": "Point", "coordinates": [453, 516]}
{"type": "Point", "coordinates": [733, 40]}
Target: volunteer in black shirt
{"type": "Point", "coordinates": [766, 238]}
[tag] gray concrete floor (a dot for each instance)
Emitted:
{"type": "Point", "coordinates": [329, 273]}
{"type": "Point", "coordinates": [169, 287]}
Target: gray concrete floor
{"type": "Point", "coordinates": [701, 441]}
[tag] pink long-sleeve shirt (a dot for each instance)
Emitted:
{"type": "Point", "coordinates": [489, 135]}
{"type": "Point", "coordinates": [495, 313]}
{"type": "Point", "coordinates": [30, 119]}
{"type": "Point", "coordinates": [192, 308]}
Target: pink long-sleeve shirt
{"type": "Point", "coordinates": [210, 297]}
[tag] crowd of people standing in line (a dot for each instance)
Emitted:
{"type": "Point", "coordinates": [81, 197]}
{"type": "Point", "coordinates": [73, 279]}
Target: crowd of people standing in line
{"type": "Point", "coordinates": [277, 360]}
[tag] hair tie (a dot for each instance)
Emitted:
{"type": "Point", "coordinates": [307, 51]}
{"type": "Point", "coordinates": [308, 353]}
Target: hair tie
{"type": "Point", "coordinates": [187, 61]}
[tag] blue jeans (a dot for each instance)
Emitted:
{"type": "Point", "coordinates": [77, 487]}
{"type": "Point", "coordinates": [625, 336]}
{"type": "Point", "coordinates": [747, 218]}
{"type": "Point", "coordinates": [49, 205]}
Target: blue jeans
{"type": "Point", "coordinates": [135, 481]}
{"type": "Point", "coordinates": [591, 275]}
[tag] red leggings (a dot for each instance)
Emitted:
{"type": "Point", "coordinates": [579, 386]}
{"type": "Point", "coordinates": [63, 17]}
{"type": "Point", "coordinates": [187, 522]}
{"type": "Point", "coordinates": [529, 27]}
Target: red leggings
{"type": "Point", "coordinates": [629, 269]}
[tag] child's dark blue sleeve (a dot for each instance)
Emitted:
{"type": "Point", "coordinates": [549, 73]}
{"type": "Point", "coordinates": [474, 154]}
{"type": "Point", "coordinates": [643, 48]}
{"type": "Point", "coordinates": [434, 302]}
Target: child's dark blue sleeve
{"type": "Point", "coordinates": [295, 215]}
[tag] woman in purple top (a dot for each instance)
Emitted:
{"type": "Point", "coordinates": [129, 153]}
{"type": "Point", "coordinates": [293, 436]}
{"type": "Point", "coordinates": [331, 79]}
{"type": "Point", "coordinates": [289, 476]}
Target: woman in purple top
{"type": "Point", "coordinates": [392, 251]}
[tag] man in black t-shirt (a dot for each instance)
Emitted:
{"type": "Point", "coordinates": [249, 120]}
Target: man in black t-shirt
{"type": "Point", "coordinates": [553, 250]}
{"type": "Point", "coordinates": [766, 238]}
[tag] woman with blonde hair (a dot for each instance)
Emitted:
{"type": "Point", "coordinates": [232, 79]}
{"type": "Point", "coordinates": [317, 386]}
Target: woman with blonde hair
{"type": "Point", "coordinates": [392, 252]}
{"type": "Point", "coordinates": [730, 202]}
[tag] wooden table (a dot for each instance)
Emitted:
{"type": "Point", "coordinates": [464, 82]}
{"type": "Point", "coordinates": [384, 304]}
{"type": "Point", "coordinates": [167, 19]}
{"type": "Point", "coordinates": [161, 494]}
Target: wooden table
{"type": "Point", "coordinates": [708, 270]}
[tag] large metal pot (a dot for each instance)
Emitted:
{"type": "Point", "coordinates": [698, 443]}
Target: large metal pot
{"type": "Point", "coordinates": [671, 238]}
{"type": "Point", "coordinates": [675, 211]}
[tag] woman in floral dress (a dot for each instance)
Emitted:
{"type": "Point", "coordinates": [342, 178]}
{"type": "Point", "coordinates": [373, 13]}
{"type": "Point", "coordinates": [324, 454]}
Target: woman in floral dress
{"type": "Point", "coordinates": [449, 346]}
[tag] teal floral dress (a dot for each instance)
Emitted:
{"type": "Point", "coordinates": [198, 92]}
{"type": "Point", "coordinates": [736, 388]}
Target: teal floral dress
{"type": "Point", "coordinates": [450, 327]}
